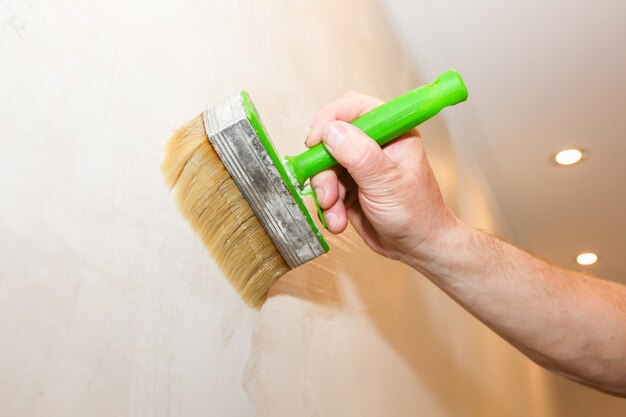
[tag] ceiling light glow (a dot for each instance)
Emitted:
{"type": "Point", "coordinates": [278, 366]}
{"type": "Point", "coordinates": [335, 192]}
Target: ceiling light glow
{"type": "Point", "coordinates": [587, 258]}
{"type": "Point", "coordinates": [568, 156]}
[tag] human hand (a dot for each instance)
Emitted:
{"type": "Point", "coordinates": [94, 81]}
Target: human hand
{"type": "Point", "coordinates": [389, 195]}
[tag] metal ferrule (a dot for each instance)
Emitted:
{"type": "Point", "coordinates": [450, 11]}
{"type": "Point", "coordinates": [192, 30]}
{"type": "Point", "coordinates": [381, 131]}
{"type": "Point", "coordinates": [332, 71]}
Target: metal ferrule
{"type": "Point", "coordinates": [249, 164]}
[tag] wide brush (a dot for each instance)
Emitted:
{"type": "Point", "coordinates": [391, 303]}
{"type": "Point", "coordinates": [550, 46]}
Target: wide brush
{"type": "Point", "coordinates": [246, 204]}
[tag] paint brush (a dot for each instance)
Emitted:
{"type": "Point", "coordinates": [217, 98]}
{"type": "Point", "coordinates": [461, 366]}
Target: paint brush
{"type": "Point", "coordinates": [246, 203]}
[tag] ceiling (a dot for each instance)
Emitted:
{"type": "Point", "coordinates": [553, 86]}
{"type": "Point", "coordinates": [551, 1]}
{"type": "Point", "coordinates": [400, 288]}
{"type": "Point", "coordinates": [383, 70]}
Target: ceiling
{"type": "Point", "coordinates": [543, 76]}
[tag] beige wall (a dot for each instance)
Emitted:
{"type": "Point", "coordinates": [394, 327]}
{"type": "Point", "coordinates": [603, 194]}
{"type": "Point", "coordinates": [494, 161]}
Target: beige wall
{"type": "Point", "coordinates": [110, 305]}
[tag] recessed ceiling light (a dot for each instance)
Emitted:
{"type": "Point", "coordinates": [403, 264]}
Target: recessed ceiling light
{"type": "Point", "coordinates": [568, 156]}
{"type": "Point", "coordinates": [587, 258]}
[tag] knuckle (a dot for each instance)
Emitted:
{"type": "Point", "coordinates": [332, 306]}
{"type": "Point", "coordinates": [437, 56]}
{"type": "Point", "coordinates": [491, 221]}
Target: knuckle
{"type": "Point", "coordinates": [359, 160]}
{"type": "Point", "coordinates": [375, 101]}
{"type": "Point", "coordinates": [315, 181]}
{"type": "Point", "coordinates": [320, 117]}
{"type": "Point", "coordinates": [324, 177]}
{"type": "Point", "coordinates": [368, 158]}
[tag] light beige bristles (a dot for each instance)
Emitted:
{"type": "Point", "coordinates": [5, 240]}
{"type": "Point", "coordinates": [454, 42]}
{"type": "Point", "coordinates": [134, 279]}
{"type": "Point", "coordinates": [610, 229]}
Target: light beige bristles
{"type": "Point", "coordinates": [217, 211]}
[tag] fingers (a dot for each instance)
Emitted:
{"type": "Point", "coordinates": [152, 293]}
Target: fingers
{"type": "Point", "coordinates": [405, 148]}
{"type": "Point", "coordinates": [346, 184]}
{"type": "Point", "coordinates": [364, 160]}
{"type": "Point", "coordinates": [346, 108]}
{"type": "Point", "coordinates": [336, 217]}
{"type": "Point", "coordinates": [326, 187]}
{"type": "Point", "coordinates": [331, 187]}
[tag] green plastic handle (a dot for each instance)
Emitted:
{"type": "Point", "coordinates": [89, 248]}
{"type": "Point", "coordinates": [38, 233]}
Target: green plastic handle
{"type": "Point", "coordinates": [386, 122]}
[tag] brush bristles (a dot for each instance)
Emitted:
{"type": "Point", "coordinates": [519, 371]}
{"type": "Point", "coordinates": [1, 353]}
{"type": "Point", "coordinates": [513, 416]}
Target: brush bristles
{"type": "Point", "coordinates": [217, 211]}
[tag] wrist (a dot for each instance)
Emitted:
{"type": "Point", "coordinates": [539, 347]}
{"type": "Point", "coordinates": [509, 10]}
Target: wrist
{"type": "Point", "coordinates": [445, 245]}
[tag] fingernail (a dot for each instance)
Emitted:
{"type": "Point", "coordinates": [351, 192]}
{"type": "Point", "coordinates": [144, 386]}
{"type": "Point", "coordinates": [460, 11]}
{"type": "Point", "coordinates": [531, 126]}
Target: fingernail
{"type": "Point", "coordinates": [334, 134]}
{"type": "Point", "coordinates": [319, 193]}
{"type": "Point", "coordinates": [331, 220]}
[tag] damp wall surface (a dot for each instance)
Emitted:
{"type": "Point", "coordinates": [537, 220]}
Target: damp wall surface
{"type": "Point", "coordinates": [110, 305]}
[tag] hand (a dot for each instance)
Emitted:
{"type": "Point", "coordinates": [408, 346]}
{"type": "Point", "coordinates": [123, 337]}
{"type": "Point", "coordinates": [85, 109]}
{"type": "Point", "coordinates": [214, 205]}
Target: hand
{"type": "Point", "coordinates": [568, 322]}
{"type": "Point", "coordinates": [389, 195]}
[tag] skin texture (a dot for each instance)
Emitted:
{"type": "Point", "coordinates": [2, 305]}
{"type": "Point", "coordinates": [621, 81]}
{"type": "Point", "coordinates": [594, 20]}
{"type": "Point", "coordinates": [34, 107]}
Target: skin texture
{"type": "Point", "coordinates": [570, 323]}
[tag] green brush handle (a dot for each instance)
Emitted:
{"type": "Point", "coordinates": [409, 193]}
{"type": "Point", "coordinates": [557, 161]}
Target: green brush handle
{"type": "Point", "coordinates": [387, 122]}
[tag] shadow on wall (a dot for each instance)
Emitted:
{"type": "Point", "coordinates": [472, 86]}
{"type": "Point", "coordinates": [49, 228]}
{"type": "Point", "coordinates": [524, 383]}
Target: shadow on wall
{"type": "Point", "coordinates": [398, 303]}
{"type": "Point", "coordinates": [395, 300]}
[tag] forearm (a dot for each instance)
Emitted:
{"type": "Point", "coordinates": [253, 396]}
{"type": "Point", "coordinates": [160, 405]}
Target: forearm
{"type": "Point", "coordinates": [566, 321]}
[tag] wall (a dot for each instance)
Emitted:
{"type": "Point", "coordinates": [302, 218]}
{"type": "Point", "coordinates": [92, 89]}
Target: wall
{"type": "Point", "coordinates": [110, 305]}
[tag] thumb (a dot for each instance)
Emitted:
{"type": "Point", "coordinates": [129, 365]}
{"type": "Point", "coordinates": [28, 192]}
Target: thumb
{"type": "Point", "coordinates": [364, 160]}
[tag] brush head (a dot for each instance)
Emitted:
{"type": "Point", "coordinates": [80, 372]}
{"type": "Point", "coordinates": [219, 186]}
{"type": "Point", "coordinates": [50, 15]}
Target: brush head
{"type": "Point", "coordinates": [237, 196]}
{"type": "Point", "coordinates": [217, 211]}
{"type": "Point", "coordinates": [235, 130]}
